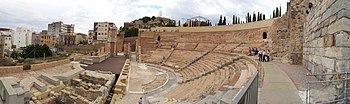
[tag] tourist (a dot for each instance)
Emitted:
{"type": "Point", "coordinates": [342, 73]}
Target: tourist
{"type": "Point", "coordinates": [251, 51]}
{"type": "Point", "coordinates": [140, 101]}
{"type": "Point", "coordinates": [260, 54]}
{"type": "Point", "coordinates": [264, 55]}
{"type": "Point", "coordinates": [268, 55]}
{"type": "Point", "coordinates": [256, 51]}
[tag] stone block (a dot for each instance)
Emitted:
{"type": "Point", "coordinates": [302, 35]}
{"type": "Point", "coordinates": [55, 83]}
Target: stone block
{"type": "Point", "coordinates": [344, 53]}
{"type": "Point", "coordinates": [317, 60]}
{"type": "Point", "coordinates": [342, 24]}
{"type": "Point", "coordinates": [343, 13]}
{"type": "Point", "coordinates": [342, 39]}
{"type": "Point", "coordinates": [329, 40]}
{"type": "Point", "coordinates": [342, 65]}
{"type": "Point", "coordinates": [331, 52]}
{"type": "Point", "coordinates": [328, 62]}
{"type": "Point", "coordinates": [339, 5]}
{"type": "Point", "coordinates": [320, 42]}
{"type": "Point", "coordinates": [318, 33]}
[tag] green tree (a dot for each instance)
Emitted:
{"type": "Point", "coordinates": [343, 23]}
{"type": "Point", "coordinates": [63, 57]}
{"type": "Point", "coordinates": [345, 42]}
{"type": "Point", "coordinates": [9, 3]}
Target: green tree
{"type": "Point", "coordinates": [131, 32]}
{"type": "Point", "coordinates": [36, 51]}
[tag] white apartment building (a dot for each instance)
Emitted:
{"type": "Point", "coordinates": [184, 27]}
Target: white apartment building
{"type": "Point", "coordinates": [22, 37]}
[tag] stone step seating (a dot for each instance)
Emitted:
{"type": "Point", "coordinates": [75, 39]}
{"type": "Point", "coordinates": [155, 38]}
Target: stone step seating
{"type": "Point", "coordinates": [186, 46]}
{"type": "Point", "coordinates": [167, 44]}
{"type": "Point", "coordinates": [207, 64]}
{"type": "Point", "coordinates": [194, 89]}
{"type": "Point", "coordinates": [247, 69]}
{"type": "Point", "coordinates": [226, 47]}
{"type": "Point", "coordinates": [206, 46]}
{"type": "Point", "coordinates": [156, 56]}
{"type": "Point", "coordinates": [179, 58]}
{"type": "Point", "coordinates": [210, 88]}
{"type": "Point", "coordinates": [244, 47]}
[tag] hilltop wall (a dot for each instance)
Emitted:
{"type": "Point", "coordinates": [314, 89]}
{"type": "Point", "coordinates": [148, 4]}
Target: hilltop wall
{"type": "Point", "coordinates": [327, 37]}
{"type": "Point", "coordinates": [245, 26]}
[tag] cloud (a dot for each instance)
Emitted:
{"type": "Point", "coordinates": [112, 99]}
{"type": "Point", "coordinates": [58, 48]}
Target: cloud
{"type": "Point", "coordinates": [37, 14]}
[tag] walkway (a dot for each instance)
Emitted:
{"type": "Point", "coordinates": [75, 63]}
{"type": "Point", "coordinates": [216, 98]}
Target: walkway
{"type": "Point", "coordinates": [113, 64]}
{"type": "Point", "coordinates": [277, 88]}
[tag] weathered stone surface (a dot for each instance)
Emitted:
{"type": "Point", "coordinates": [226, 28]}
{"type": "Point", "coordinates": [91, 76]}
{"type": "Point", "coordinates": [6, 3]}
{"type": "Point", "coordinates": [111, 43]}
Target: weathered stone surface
{"type": "Point", "coordinates": [342, 24]}
{"type": "Point", "coordinates": [331, 52]}
{"type": "Point", "coordinates": [342, 65]}
{"type": "Point", "coordinates": [328, 63]}
{"type": "Point", "coordinates": [342, 39]}
{"type": "Point", "coordinates": [343, 13]}
{"type": "Point", "coordinates": [329, 40]}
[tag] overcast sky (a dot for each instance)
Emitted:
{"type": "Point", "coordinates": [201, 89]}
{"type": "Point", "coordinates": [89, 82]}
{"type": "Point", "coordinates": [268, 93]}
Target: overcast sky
{"type": "Point", "coordinates": [36, 14]}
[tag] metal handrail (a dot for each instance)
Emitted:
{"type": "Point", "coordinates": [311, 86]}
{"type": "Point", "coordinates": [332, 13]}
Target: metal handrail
{"type": "Point", "coordinates": [252, 86]}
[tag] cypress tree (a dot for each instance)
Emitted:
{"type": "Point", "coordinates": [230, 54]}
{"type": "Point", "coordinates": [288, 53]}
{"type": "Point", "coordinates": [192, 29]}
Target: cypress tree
{"type": "Point", "coordinates": [280, 11]}
{"type": "Point", "coordinates": [254, 17]}
{"type": "Point", "coordinates": [277, 12]}
{"type": "Point", "coordinates": [233, 19]}
{"type": "Point", "coordinates": [264, 17]}
{"type": "Point", "coordinates": [248, 20]}
{"type": "Point", "coordinates": [224, 22]}
{"type": "Point", "coordinates": [220, 20]}
{"type": "Point", "coordinates": [273, 14]}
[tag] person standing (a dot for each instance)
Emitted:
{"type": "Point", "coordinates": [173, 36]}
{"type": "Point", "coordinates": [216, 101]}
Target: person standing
{"type": "Point", "coordinates": [140, 101]}
{"type": "Point", "coordinates": [268, 55]}
{"type": "Point", "coordinates": [260, 54]}
{"type": "Point", "coordinates": [264, 55]}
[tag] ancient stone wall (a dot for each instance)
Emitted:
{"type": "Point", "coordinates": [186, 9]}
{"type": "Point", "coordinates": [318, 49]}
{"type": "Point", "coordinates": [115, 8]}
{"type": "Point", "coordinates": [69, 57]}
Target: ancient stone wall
{"type": "Point", "coordinates": [49, 64]}
{"type": "Point", "coordinates": [286, 33]}
{"type": "Point", "coordinates": [10, 69]}
{"type": "Point", "coordinates": [327, 37]}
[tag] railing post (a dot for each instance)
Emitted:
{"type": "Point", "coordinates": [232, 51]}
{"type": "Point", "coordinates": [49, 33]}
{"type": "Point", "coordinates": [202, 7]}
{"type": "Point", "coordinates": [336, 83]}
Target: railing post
{"type": "Point", "coordinates": [307, 89]}
{"type": "Point", "coordinates": [344, 89]}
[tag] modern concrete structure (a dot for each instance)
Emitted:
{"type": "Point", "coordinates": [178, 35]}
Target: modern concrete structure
{"type": "Point", "coordinates": [59, 28]}
{"type": "Point", "coordinates": [105, 31]}
{"type": "Point", "coordinates": [5, 44]}
{"type": "Point", "coordinates": [91, 36]}
{"type": "Point", "coordinates": [6, 34]}
{"type": "Point", "coordinates": [21, 37]}
{"type": "Point", "coordinates": [43, 38]}
{"type": "Point", "coordinates": [10, 91]}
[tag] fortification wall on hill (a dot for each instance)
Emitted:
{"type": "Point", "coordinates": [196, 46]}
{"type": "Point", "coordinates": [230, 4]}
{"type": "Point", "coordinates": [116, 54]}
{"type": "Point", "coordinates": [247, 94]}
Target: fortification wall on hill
{"type": "Point", "coordinates": [245, 26]}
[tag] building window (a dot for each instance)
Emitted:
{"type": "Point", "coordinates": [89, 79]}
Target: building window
{"type": "Point", "coordinates": [264, 35]}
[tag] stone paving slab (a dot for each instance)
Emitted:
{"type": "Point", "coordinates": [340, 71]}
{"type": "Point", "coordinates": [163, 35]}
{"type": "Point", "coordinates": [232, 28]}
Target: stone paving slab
{"type": "Point", "coordinates": [277, 87]}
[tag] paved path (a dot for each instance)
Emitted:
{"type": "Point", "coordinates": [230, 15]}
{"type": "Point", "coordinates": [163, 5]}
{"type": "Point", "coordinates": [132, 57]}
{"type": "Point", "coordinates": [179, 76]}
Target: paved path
{"type": "Point", "coordinates": [277, 88]}
{"type": "Point", "coordinates": [113, 64]}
